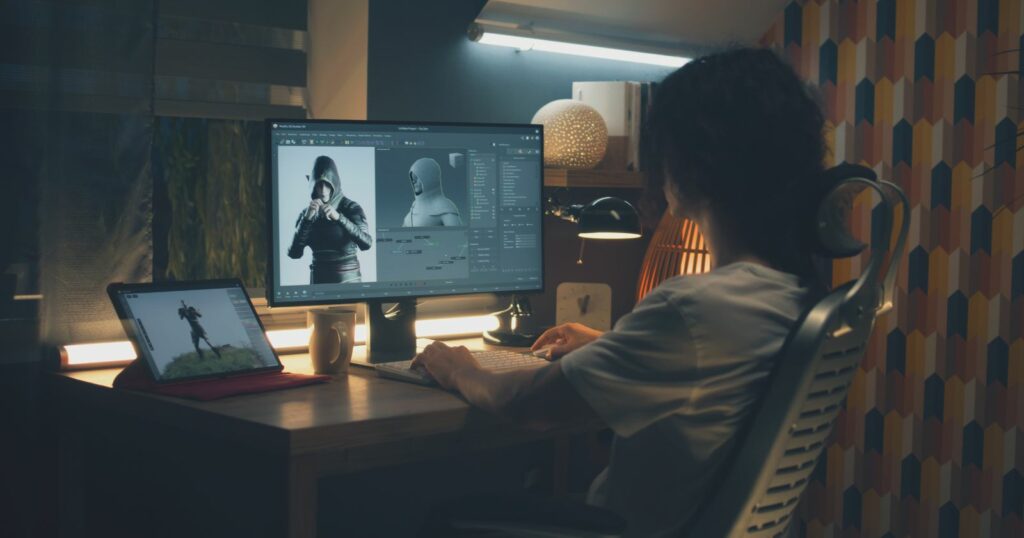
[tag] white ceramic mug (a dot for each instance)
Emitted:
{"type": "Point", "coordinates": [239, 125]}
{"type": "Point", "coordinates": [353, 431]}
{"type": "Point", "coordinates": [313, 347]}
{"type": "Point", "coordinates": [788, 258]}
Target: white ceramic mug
{"type": "Point", "coordinates": [331, 340]}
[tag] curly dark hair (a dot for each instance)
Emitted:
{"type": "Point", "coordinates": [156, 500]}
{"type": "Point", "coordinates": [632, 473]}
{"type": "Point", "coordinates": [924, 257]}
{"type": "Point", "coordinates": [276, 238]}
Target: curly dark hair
{"type": "Point", "coordinates": [739, 131]}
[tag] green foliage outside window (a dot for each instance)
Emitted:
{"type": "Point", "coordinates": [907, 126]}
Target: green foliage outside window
{"type": "Point", "coordinates": [214, 173]}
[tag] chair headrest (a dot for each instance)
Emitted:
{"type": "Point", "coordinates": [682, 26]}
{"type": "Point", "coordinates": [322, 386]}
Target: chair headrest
{"type": "Point", "coordinates": [873, 290]}
{"type": "Point", "coordinates": [831, 236]}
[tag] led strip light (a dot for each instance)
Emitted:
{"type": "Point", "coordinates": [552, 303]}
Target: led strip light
{"type": "Point", "coordinates": [102, 354]}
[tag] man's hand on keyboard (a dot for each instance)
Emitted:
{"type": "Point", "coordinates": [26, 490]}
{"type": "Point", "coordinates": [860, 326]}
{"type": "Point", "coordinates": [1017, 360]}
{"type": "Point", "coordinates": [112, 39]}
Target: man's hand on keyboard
{"type": "Point", "coordinates": [442, 362]}
{"type": "Point", "coordinates": [565, 338]}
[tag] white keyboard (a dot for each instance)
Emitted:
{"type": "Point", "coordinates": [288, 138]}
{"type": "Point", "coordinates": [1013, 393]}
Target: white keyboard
{"type": "Point", "coordinates": [495, 360]}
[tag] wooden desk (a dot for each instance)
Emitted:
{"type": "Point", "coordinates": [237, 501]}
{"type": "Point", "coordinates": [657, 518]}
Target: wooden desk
{"type": "Point", "coordinates": [354, 422]}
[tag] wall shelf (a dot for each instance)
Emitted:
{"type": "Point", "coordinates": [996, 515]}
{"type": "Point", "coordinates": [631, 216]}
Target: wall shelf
{"type": "Point", "coordinates": [605, 179]}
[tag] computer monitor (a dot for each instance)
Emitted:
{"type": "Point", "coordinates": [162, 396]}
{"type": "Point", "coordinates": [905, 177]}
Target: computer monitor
{"type": "Point", "coordinates": [383, 212]}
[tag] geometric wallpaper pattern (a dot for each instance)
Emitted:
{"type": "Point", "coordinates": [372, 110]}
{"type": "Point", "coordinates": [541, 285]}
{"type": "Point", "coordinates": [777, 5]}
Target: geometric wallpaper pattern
{"type": "Point", "coordinates": [928, 93]}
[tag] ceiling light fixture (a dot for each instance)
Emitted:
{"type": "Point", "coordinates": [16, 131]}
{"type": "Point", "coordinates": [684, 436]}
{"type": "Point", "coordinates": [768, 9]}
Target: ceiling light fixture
{"type": "Point", "coordinates": [522, 40]}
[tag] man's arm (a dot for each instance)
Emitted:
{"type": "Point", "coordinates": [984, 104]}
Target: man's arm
{"type": "Point", "coordinates": [541, 398]}
{"type": "Point", "coordinates": [640, 372]}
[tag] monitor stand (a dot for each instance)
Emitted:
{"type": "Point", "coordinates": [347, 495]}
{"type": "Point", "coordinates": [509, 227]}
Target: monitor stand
{"type": "Point", "coordinates": [391, 335]}
{"type": "Point", "coordinates": [511, 330]}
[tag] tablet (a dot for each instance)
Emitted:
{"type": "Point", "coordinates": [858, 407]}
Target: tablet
{"type": "Point", "coordinates": [192, 330]}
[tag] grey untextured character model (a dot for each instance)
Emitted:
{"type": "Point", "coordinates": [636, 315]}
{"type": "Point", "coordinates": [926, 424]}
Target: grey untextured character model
{"type": "Point", "coordinates": [430, 207]}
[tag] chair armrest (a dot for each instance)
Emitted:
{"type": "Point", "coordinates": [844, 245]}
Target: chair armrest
{"type": "Point", "coordinates": [531, 516]}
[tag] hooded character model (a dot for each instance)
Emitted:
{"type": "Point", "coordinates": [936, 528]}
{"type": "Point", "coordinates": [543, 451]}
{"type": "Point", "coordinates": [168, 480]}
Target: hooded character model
{"type": "Point", "coordinates": [192, 315]}
{"type": "Point", "coordinates": [430, 207]}
{"type": "Point", "coordinates": [333, 227]}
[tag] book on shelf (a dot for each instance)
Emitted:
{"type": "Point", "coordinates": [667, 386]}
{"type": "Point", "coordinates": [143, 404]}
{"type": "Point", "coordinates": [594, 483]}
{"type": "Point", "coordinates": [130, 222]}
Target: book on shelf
{"type": "Point", "coordinates": [623, 105]}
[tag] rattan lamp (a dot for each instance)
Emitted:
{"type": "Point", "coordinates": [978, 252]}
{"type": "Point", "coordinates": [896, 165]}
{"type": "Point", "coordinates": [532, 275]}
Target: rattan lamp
{"type": "Point", "coordinates": [677, 248]}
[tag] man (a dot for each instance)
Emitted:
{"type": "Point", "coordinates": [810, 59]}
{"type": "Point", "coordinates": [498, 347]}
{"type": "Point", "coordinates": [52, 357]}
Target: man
{"type": "Point", "coordinates": [737, 141]}
{"type": "Point", "coordinates": [191, 315]}
{"type": "Point", "coordinates": [333, 227]}
{"type": "Point", "coordinates": [430, 207]}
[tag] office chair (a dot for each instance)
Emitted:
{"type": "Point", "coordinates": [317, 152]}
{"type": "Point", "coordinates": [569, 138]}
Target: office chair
{"type": "Point", "coordinates": [771, 466]}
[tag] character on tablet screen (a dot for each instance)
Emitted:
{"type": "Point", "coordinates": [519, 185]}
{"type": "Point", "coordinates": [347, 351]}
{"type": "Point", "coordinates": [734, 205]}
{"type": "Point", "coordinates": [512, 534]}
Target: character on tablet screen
{"type": "Point", "coordinates": [191, 315]}
{"type": "Point", "coordinates": [333, 226]}
{"type": "Point", "coordinates": [430, 207]}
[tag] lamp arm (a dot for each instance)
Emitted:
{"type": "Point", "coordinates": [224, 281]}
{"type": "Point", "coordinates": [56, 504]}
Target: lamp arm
{"type": "Point", "coordinates": [569, 212]}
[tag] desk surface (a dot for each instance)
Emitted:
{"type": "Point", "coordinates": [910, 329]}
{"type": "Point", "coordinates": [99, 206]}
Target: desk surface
{"type": "Point", "coordinates": [354, 422]}
{"type": "Point", "coordinates": [358, 409]}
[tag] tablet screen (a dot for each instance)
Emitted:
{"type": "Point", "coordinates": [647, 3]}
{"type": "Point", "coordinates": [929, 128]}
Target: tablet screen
{"type": "Point", "coordinates": [189, 333]}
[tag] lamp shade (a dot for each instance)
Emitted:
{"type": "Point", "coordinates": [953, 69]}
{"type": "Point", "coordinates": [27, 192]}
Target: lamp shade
{"type": "Point", "coordinates": [677, 248]}
{"type": "Point", "coordinates": [609, 218]}
{"type": "Point", "coordinates": [575, 134]}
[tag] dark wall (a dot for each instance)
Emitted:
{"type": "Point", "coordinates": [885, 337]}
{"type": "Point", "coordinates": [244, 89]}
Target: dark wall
{"type": "Point", "coordinates": [422, 67]}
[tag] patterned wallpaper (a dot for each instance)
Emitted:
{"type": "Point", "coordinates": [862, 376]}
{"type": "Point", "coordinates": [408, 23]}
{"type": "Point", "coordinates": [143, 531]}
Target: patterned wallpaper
{"type": "Point", "coordinates": [927, 92]}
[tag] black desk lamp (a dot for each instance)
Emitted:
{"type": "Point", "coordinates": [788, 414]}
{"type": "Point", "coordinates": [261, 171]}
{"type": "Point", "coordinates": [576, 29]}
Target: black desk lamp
{"type": "Point", "coordinates": [604, 218]}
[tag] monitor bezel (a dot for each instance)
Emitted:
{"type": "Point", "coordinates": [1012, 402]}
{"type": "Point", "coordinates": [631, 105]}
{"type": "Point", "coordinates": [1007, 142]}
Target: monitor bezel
{"type": "Point", "coordinates": [269, 193]}
{"type": "Point", "coordinates": [116, 289]}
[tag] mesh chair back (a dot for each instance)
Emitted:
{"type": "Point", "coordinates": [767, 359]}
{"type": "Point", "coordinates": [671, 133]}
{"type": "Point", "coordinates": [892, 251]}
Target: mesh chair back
{"type": "Point", "coordinates": [780, 449]}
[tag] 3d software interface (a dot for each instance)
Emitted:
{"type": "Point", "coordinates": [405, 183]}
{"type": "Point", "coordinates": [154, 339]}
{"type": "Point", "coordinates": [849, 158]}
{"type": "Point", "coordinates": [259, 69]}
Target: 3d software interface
{"type": "Point", "coordinates": [381, 210]}
{"type": "Point", "coordinates": [189, 333]}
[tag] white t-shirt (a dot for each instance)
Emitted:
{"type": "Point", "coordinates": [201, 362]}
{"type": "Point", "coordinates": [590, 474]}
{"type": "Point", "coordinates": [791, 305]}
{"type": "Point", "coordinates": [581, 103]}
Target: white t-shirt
{"type": "Point", "coordinates": [675, 380]}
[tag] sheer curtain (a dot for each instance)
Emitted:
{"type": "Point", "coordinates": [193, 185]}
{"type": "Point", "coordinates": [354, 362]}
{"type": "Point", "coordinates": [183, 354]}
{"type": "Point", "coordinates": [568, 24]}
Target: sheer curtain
{"type": "Point", "coordinates": [76, 86]}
